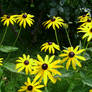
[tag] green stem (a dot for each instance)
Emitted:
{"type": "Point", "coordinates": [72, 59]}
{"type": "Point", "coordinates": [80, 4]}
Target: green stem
{"type": "Point", "coordinates": [68, 37]}
{"type": "Point", "coordinates": [3, 36]}
{"type": "Point", "coordinates": [15, 42]}
{"type": "Point", "coordinates": [84, 43]}
{"type": "Point", "coordinates": [46, 90]}
{"type": "Point", "coordinates": [17, 37]}
{"type": "Point", "coordinates": [56, 37]}
{"type": "Point", "coordinates": [87, 45]}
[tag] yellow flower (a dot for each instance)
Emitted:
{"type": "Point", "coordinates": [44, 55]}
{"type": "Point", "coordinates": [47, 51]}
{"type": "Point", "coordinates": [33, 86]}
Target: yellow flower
{"type": "Point", "coordinates": [54, 22]}
{"type": "Point", "coordinates": [24, 19]}
{"type": "Point", "coordinates": [31, 86]}
{"type": "Point", "coordinates": [46, 69]}
{"type": "Point", "coordinates": [90, 90]}
{"type": "Point", "coordinates": [51, 46]}
{"type": "Point", "coordinates": [7, 20]}
{"type": "Point", "coordinates": [87, 30]}
{"type": "Point", "coordinates": [1, 61]}
{"type": "Point", "coordinates": [25, 63]}
{"type": "Point", "coordinates": [71, 54]}
{"type": "Point", "coordinates": [84, 18]}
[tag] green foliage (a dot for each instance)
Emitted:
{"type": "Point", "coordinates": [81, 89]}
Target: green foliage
{"type": "Point", "coordinates": [8, 49]}
{"type": "Point", "coordinates": [31, 39]}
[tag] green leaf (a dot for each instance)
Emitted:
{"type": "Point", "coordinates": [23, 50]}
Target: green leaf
{"type": "Point", "coordinates": [88, 82]}
{"type": "Point", "coordinates": [89, 49]}
{"type": "Point", "coordinates": [86, 79]}
{"type": "Point", "coordinates": [1, 72]}
{"type": "Point", "coordinates": [11, 67]}
{"type": "Point", "coordinates": [7, 49]}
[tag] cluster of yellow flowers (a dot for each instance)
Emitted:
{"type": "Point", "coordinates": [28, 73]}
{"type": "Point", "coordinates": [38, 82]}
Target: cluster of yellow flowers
{"type": "Point", "coordinates": [22, 19]}
{"type": "Point", "coordinates": [47, 67]}
{"type": "Point", "coordinates": [86, 26]}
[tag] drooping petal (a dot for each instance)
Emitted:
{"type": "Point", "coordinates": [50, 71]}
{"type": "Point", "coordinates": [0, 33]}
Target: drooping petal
{"type": "Point", "coordinates": [68, 64]}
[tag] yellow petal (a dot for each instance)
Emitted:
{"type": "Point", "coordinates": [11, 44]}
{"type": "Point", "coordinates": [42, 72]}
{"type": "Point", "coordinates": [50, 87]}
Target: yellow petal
{"type": "Point", "coordinates": [80, 51]}
{"type": "Point", "coordinates": [75, 50]}
{"type": "Point", "coordinates": [80, 57]}
{"type": "Point", "coordinates": [20, 69]}
{"type": "Point", "coordinates": [49, 50]}
{"type": "Point", "coordinates": [63, 55]}
{"type": "Point", "coordinates": [55, 72]}
{"type": "Point", "coordinates": [63, 60]}
{"type": "Point", "coordinates": [39, 58]}
{"type": "Point", "coordinates": [51, 77]}
{"type": "Point", "coordinates": [78, 63]}
{"type": "Point", "coordinates": [89, 38]}
{"type": "Point", "coordinates": [46, 58]}
{"type": "Point", "coordinates": [26, 70]}
{"type": "Point", "coordinates": [28, 80]}
{"type": "Point", "coordinates": [51, 58]}
{"type": "Point", "coordinates": [45, 78]}
{"type": "Point", "coordinates": [53, 51]}
{"type": "Point", "coordinates": [37, 77]}
{"type": "Point", "coordinates": [68, 64]}
{"type": "Point", "coordinates": [73, 65]}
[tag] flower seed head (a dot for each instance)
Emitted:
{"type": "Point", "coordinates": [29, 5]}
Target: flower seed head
{"type": "Point", "coordinates": [26, 62]}
{"type": "Point", "coordinates": [44, 66]}
{"type": "Point", "coordinates": [71, 54]}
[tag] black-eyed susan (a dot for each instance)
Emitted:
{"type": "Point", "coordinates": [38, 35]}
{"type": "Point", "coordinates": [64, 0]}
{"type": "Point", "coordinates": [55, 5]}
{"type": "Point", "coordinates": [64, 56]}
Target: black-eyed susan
{"type": "Point", "coordinates": [1, 61]}
{"type": "Point", "coordinates": [87, 30]}
{"type": "Point", "coordinates": [84, 18]}
{"type": "Point", "coordinates": [31, 86]}
{"type": "Point", "coordinates": [24, 19]}
{"type": "Point", "coordinates": [72, 55]}
{"type": "Point", "coordinates": [26, 63]}
{"type": "Point", "coordinates": [87, 23]}
{"type": "Point", "coordinates": [50, 46]}
{"type": "Point", "coordinates": [7, 19]}
{"type": "Point", "coordinates": [90, 90]}
{"type": "Point", "coordinates": [46, 68]}
{"type": "Point", "coordinates": [54, 22]}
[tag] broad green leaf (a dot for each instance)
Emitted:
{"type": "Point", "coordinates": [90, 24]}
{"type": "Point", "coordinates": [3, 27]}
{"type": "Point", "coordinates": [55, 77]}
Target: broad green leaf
{"type": "Point", "coordinates": [7, 49]}
{"type": "Point", "coordinates": [89, 49]}
{"type": "Point", "coordinates": [11, 67]}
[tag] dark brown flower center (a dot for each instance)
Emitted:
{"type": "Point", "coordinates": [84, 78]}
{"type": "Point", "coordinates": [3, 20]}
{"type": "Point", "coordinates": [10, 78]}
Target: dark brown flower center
{"type": "Point", "coordinates": [24, 16]}
{"type": "Point", "coordinates": [26, 62]}
{"type": "Point", "coordinates": [8, 17]}
{"type": "Point", "coordinates": [44, 66]}
{"type": "Point", "coordinates": [50, 43]}
{"type": "Point", "coordinates": [71, 54]}
{"type": "Point", "coordinates": [84, 15]}
{"type": "Point", "coordinates": [91, 30]}
{"type": "Point", "coordinates": [89, 20]}
{"type": "Point", "coordinates": [30, 87]}
{"type": "Point", "coordinates": [52, 19]}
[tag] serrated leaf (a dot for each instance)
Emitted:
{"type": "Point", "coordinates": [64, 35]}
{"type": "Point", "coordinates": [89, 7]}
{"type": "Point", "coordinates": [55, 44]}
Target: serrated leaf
{"type": "Point", "coordinates": [7, 49]}
{"type": "Point", "coordinates": [86, 79]}
{"type": "Point", "coordinates": [88, 82]}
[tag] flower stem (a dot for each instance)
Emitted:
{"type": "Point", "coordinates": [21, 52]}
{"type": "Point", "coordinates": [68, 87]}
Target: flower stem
{"type": "Point", "coordinates": [46, 90]}
{"type": "Point", "coordinates": [17, 37]}
{"type": "Point", "coordinates": [3, 36]}
{"type": "Point", "coordinates": [87, 45]}
{"type": "Point", "coordinates": [14, 42]}
{"type": "Point", "coordinates": [56, 37]}
{"type": "Point", "coordinates": [68, 37]}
